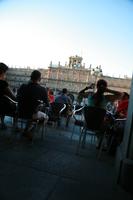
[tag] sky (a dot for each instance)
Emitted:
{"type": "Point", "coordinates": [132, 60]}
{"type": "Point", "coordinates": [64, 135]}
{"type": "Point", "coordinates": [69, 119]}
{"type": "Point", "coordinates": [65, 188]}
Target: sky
{"type": "Point", "coordinates": [35, 32]}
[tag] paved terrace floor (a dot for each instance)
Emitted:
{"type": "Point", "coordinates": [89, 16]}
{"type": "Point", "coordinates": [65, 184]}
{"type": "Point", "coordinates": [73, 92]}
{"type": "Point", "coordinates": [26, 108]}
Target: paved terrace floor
{"type": "Point", "coordinates": [50, 169]}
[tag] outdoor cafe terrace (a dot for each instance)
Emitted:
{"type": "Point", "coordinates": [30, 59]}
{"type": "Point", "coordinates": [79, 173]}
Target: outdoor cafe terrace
{"type": "Point", "coordinates": [49, 168]}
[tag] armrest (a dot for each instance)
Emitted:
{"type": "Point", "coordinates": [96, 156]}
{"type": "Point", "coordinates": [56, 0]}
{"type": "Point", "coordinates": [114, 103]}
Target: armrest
{"type": "Point", "coordinates": [121, 119]}
{"type": "Point", "coordinates": [15, 102]}
{"type": "Point", "coordinates": [74, 114]}
{"type": "Point", "coordinates": [63, 108]}
{"type": "Point", "coordinates": [74, 111]}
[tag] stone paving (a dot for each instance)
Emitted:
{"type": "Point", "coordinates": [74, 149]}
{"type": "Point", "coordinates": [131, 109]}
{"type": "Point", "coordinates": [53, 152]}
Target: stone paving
{"type": "Point", "coordinates": [50, 170]}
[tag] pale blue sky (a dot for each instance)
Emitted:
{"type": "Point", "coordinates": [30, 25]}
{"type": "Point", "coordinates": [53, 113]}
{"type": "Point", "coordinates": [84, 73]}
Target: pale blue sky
{"type": "Point", "coordinates": [34, 32]}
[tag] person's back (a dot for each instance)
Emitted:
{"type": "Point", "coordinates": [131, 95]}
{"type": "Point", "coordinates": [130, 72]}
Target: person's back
{"type": "Point", "coordinates": [63, 98]}
{"type": "Point", "coordinates": [97, 100]}
{"type": "Point", "coordinates": [5, 105]}
{"type": "Point", "coordinates": [29, 97]}
{"type": "Point", "coordinates": [4, 86]}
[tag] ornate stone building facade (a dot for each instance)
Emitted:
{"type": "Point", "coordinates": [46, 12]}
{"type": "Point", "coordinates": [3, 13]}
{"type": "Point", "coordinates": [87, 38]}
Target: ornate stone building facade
{"type": "Point", "coordinates": [73, 76]}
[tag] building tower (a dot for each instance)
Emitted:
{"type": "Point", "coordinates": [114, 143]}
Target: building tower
{"type": "Point", "coordinates": [75, 62]}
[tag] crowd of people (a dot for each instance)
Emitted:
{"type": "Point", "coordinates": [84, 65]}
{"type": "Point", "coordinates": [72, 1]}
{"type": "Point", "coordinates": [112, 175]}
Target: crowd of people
{"type": "Point", "coordinates": [29, 96]}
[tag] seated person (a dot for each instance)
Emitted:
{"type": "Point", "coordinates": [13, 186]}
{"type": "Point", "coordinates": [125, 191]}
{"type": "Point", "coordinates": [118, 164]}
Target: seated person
{"type": "Point", "coordinates": [6, 107]}
{"type": "Point", "coordinates": [100, 100]}
{"type": "Point", "coordinates": [29, 97]}
{"type": "Point", "coordinates": [63, 98]}
{"type": "Point", "coordinates": [119, 124]}
{"type": "Point", "coordinates": [51, 96]}
{"type": "Point", "coordinates": [122, 107]}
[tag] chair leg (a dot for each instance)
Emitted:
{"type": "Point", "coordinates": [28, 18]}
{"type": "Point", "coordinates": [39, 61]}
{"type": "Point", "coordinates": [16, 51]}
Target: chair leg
{"type": "Point", "coordinates": [44, 129]}
{"type": "Point", "coordinates": [2, 122]}
{"type": "Point", "coordinates": [15, 123]}
{"type": "Point", "coordinates": [79, 142]}
{"type": "Point", "coordinates": [67, 120]}
{"type": "Point", "coordinates": [101, 145]}
{"type": "Point", "coordinates": [59, 122]}
{"type": "Point", "coordinates": [111, 147]}
{"type": "Point", "coordinates": [42, 132]}
{"type": "Point", "coordinates": [33, 130]}
{"type": "Point", "coordinates": [84, 139]}
{"type": "Point", "coordinates": [80, 130]}
{"type": "Point", "coordinates": [92, 139]}
{"type": "Point", "coordinates": [72, 133]}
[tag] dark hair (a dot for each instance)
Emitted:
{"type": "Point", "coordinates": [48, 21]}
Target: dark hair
{"type": "Point", "coordinates": [3, 68]}
{"type": "Point", "coordinates": [35, 75]}
{"type": "Point", "coordinates": [101, 82]}
{"type": "Point", "coordinates": [64, 90]}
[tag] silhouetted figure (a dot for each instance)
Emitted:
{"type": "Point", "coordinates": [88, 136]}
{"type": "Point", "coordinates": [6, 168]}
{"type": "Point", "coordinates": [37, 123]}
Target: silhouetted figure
{"type": "Point", "coordinates": [63, 98]}
{"type": "Point", "coordinates": [29, 97]}
{"type": "Point", "coordinates": [6, 106]}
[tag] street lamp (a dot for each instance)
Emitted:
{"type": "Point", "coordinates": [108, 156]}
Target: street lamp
{"type": "Point", "coordinates": [96, 72]}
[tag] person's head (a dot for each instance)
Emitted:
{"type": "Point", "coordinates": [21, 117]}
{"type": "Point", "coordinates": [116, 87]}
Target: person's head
{"type": "Point", "coordinates": [64, 91]}
{"type": "Point", "coordinates": [101, 85]}
{"type": "Point", "coordinates": [3, 69]}
{"type": "Point", "coordinates": [35, 76]}
{"type": "Point", "coordinates": [51, 92]}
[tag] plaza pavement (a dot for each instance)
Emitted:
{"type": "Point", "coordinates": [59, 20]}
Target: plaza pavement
{"type": "Point", "coordinates": [50, 170]}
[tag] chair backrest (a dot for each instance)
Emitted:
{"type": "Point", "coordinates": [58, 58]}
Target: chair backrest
{"type": "Point", "coordinates": [55, 110]}
{"type": "Point", "coordinates": [94, 117]}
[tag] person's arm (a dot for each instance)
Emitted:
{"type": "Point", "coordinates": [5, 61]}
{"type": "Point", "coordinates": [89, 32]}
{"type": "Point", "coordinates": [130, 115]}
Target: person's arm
{"type": "Point", "coordinates": [83, 94]}
{"type": "Point", "coordinates": [9, 93]}
{"type": "Point", "coordinates": [114, 95]}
